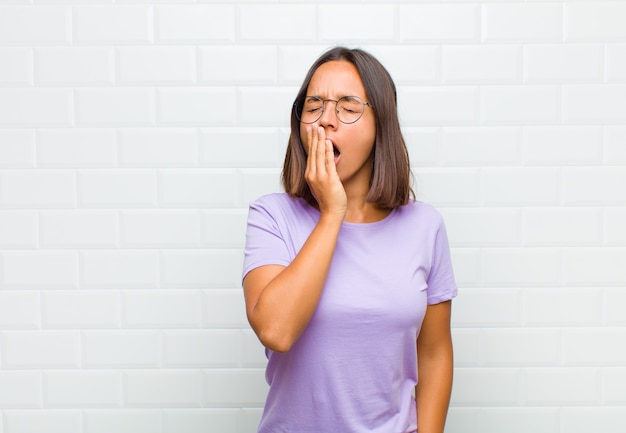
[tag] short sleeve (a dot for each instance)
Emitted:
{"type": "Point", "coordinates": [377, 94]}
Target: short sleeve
{"type": "Point", "coordinates": [441, 283]}
{"type": "Point", "coordinates": [264, 241]}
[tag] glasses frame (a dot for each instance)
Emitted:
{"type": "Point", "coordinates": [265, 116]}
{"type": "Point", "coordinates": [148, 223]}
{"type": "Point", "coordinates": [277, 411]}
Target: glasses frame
{"type": "Point", "coordinates": [299, 106]}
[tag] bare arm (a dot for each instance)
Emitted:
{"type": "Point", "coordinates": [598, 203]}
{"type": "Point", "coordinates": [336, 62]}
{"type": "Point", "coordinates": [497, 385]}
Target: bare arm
{"type": "Point", "coordinates": [280, 301]}
{"type": "Point", "coordinates": [435, 366]}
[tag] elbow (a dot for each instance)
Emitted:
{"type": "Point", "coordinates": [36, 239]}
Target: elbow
{"type": "Point", "coordinates": [275, 341]}
{"type": "Point", "coordinates": [284, 348]}
{"type": "Point", "coordinates": [273, 334]}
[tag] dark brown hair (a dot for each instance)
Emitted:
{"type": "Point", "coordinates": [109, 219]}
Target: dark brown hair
{"type": "Point", "coordinates": [391, 174]}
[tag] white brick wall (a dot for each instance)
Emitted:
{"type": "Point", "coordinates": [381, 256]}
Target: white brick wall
{"type": "Point", "coordinates": [133, 134]}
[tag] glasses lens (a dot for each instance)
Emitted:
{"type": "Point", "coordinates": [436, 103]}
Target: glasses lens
{"type": "Point", "coordinates": [311, 110]}
{"type": "Point", "coordinates": [349, 109]}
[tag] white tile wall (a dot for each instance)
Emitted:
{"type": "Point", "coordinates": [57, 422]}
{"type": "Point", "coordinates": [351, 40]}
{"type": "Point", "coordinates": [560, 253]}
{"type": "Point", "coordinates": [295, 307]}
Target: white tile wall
{"type": "Point", "coordinates": [26, 107]}
{"type": "Point", "coordinates": [95, 24]}
{"type": "Point", "coordinates": [81, 388]}
{"type": "Point", "coordinates": [519, 420]}
{"type": "Point", "coordinates": [45, 25]}
{"type": "Point", "coordinates": [118, 106]}
{"type": "Point", "coordinates": [17, 67]}
{"type": "Point", "coordinates": [122, 421]}
{"type": "Point", "coordinates": [594, 22]}
{"type": "Point", "coordinates": [432, 23]}
{"type": "Point", "coordinates": [616, 63]}
{"type": "Point", "coordinates": [194, 24]}
{"type": "Point", "coordinates": [74, 66]}
{"type": "Point", "coordinates": [40, 349]}
{"type": "Point", "coordinates": [133, 134]}
{"type": "Point", "coordinates": [76, 148]}
{"type": "Point", "coordinates": [45, 421]}
{"type": "Point", "coordinates": [98, 309]}
{"type": "Point", "coordinates": [17, 148]}
{"type": "Point", "coordinates": [517, 22]}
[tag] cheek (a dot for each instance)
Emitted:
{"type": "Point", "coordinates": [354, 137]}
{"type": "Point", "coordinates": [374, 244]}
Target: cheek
{"type": "Point", "coordinates": [367, 138]}
{"type": "Point", "coordinates": [367, 132]}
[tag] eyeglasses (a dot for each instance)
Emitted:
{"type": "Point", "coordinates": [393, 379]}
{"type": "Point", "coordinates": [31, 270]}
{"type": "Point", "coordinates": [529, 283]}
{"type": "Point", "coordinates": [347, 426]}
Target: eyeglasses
{"type": "Point", "coordinates": [348, 109]}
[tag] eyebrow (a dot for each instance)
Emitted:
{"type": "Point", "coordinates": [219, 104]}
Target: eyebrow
{"type": "Point", "coordinates": [342, 96]}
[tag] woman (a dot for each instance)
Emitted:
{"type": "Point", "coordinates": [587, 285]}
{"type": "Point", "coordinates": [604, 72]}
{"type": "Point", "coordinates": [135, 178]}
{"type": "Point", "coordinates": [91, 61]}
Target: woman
{"type": "Point", "coordinates": [347, 279]}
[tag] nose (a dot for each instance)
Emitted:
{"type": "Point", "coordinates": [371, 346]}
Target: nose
{"type": "Point", "coordinates": [329, 114]}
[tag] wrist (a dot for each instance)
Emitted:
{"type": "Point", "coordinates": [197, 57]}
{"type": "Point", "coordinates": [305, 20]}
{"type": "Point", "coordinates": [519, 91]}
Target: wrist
{"type": "Point", "coordinates": [332, 217]}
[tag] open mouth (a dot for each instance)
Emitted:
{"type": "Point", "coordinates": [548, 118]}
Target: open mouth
{"type": "Point", "coordinates": [336, 152]}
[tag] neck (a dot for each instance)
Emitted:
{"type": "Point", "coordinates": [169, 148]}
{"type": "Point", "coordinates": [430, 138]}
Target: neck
{"type": "Point", "coordinates": [360, 211]}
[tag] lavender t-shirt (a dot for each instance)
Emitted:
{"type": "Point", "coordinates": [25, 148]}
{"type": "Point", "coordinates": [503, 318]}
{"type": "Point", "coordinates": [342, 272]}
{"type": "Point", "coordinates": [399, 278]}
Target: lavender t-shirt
{"type": "Point", "coordinates": [354, 367]}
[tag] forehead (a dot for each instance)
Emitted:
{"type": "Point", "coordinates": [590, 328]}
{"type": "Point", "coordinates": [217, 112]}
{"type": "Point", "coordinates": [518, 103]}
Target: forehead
{"type": "Point", "coordinates": [335, 79]}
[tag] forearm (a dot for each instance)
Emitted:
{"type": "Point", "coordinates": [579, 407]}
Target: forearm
{"type": "Point", "coordinates": [287, 303]}
{"type": "Point", "coordinates": [433, 389]}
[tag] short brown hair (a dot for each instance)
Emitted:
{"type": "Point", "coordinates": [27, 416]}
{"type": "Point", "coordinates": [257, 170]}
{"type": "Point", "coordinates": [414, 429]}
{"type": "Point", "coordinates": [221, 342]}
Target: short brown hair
{"type": "Point", "coordinates": [391, 174]}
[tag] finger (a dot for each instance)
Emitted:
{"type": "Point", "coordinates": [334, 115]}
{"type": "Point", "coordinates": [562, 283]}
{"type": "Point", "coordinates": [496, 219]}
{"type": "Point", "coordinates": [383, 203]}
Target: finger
{"type": "Point", "coordinates": [321, 150]}
{"type": "Point", "coordinates": [329, 157]}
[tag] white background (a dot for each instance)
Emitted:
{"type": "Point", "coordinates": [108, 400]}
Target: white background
{"type": "Point", "coordinates": [133, 135]}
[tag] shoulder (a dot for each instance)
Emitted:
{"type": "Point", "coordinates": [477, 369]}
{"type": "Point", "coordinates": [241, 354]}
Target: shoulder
{"type": "Point", "coordinates": [280, 206]}
{"type": "Point", "coordinates": [278, 200]}
{"type": "Point", "coordinates": [421, 212]}
{"type": "Point", "coordinates": [272, 199]}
